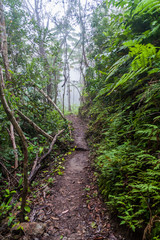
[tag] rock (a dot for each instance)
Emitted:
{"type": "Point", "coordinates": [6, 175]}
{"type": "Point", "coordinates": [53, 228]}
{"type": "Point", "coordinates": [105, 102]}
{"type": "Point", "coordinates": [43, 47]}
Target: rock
{"type": "Point", "coordinates": [52, 230]}
{"type": "Point", "coordinates": [25, 238]}
{"type": "Point", "coordinates": [41, 215]}
{"type": "Point", "coordinates": [46, 235]}
{"type": "Point", "coordinates": [30, 228]}
{"type": "Point", "coordinates": [64, 238]}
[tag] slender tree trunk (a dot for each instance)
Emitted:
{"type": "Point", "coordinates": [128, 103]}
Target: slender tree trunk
{"type": "Point", "coordinates": [14, 145]}
{"type": "Point", "coordinates": [66, 75]}
{"type": "Point", "coordinates": [64, 92]}
{"type": "Point", "coordinates": [69, 96]}
{"type": "Point", "coordinates": [12, 136]}
{"type": "Point", "coordinates": [83, 33]}
{"type": "Point", "coordinates": [18, 129]}
{"type": "Point", "coordinates": [80, 95]}
{"type": "Point", "coordinates": [4, 51]}
{"type": "Point", "coordinates": [69, 89]}
{"type": "Point", "coordinates": [3, 43]}
{"type": "Point", "coordinates": [55, 88]}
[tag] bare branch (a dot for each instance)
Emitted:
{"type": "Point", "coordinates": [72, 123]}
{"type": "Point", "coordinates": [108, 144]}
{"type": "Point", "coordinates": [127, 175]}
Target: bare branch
{"type": "Point", "coordinates": [34, 125]}
{"type": "Point", "coordinates": [37, 162]}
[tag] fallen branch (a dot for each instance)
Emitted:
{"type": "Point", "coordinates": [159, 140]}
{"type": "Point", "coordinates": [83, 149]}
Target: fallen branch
{"type": "Point", "coordinates": [37, 162]}
{"type": "Point", "coordinates": [8, 173]}
{"type": "Point", "coordinates": [35, 126]}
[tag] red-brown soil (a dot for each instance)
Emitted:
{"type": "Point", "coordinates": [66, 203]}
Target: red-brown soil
{"type": "Point", "coordinates": [71, 208]}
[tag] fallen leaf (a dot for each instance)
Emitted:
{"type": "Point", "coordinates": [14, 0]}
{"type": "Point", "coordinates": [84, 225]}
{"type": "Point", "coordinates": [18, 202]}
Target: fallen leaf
{"type": "Point", "coordinates": [64, 212]}
{"type": "Point", "coordinates": [54, 218]}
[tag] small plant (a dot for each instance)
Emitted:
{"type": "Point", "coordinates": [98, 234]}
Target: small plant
{"type": "Point", "coordinates": [50, 180]}
{"type": "Point", "coordinates": [11, 217]}
{"type": "Point", "coordinates": [93, 224]}
{"type": "Point", "coordinates": [34, 184]}
{"type": "Point", "coordinates": [87, 189]}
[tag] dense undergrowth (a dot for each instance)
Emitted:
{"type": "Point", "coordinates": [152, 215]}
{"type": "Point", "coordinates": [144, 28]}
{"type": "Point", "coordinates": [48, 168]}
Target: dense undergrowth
{"type": "Point", "coordinates": [123, 98]}
{"type": "Point", "coordinates": [26, 72]}
{"type": "Point", "coordinates": [11, 179]}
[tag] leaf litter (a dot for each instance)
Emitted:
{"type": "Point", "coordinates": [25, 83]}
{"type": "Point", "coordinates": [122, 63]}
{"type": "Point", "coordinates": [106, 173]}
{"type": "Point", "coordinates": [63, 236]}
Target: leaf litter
{"type": "Point", "coordinates": [70, 205]}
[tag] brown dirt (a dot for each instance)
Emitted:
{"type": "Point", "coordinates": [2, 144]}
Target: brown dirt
{"type": "Point", "coordinates": [71, 208]}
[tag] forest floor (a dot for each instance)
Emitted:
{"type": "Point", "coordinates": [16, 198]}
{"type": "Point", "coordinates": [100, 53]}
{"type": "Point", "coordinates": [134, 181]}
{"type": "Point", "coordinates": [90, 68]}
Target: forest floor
{"type": "Point", "coordinates": [71, 207]}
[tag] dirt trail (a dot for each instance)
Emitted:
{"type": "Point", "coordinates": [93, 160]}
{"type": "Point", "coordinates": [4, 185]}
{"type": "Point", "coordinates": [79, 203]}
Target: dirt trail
{"type": "Point", "coordinates": [68, 215]}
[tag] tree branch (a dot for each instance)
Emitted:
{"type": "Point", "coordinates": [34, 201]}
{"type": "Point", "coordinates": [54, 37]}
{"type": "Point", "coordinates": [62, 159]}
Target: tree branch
{"type": "Point", "coordinates": [50, 100]}
{"type": "Point", "coordinates": [35, 126]}
{"type": "Point", "coordinates": [13, 120]}
{"type": "Point", "coordinates": [37, 162]}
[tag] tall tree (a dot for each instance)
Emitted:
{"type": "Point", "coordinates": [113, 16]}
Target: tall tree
{"type": "Point", "coordinates": [9, 112]}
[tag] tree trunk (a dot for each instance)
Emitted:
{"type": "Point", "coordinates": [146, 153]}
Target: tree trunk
{"type": "Point", "coordinates": [55, 87]}
{"type": "Point", "coordinates": [83, 31]}
{"type": "Point", "coordinates": [10, 115]}
{"type": "Point", "coordinates": [64, 91]}
{"type": "Point", "coordinates": [12, 136]}
{"type": "Point", "coordinates": [18, 129]}
{"type": "Point", "coordinates": [3, 43]}
{"type": "Point", "coordinates": [69, 96]}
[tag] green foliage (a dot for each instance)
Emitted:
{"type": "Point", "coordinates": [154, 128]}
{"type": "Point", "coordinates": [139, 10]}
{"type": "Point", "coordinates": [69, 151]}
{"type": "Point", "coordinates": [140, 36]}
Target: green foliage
{"type": "Point", "coordinates": [123, 87]}
{"type": "Point", "coordinates": [149, 6]}
{"type": "Point", "coordinates": [6, 206]}
{"type": "Point", "coordinates": [27, 65]}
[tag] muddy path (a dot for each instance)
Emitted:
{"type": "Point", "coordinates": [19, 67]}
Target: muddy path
{"type": "Point", "coordinates": [69, 211]}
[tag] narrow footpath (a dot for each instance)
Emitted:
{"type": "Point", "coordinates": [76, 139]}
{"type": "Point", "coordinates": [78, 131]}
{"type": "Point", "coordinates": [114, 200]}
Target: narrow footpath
{"type": "Point", "coordinates": [69, 213]}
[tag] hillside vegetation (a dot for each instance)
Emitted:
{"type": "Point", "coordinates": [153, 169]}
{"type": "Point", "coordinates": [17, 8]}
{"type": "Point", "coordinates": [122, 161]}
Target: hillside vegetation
{"type": "Point", "coordinates": [123, 95]}
{"type": "Point", "coordinates": [115, 45]}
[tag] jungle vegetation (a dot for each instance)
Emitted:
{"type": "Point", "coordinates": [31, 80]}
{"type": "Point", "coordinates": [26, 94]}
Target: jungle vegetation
{"type": "Point", "coordinates": [118, 52]}
{"type": "Point", "coordinates": [38, 48]}
{"type": "Point", "coordinates": [123, 88]}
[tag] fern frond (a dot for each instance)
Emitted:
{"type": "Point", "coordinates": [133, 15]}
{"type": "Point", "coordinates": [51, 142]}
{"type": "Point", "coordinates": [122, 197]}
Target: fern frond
{"type": "Point", "coordinates": [128, 76]}
{"type": "Point", "coordinates": [143, 58]}
{"type": "Point", "coordinates": [147, 6]}
{"type": "Point", "coordinates": [116, 65]}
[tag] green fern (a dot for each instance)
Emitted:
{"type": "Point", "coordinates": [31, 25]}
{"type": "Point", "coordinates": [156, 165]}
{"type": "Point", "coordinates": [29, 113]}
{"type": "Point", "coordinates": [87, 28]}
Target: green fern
{"type": "Point", "coordinates": [149, 6]}
{"type": "Point", "coordinates": [128, 76]}
{"type": "Point", "coordinates": [142, 62]}
{"type": "Point", "coordinates": [144, 55]}
{"type": "Point", "coordinates": [115, 67]}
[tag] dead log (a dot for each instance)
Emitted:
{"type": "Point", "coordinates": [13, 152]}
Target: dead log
{"type": "Point", "coordinates": [35, 126]}
{"type": "Point", "coordinates": [37, 162]}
